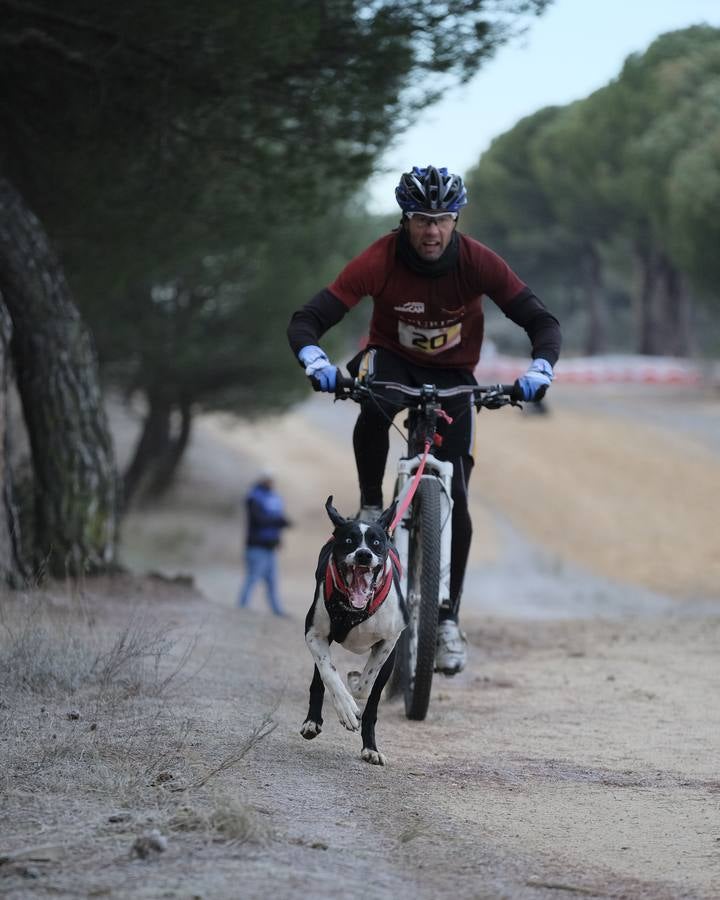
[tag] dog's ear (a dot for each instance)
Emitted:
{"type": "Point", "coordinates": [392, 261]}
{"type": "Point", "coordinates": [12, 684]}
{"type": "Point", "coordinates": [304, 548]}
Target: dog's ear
{"type": "Point", "coordinates": [335, 516]}
{"type": "Point", "coordinates": [387, 516]}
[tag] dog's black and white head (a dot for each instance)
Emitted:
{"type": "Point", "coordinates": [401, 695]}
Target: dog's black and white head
{"type": "Point", "coordinates": [360, 552]}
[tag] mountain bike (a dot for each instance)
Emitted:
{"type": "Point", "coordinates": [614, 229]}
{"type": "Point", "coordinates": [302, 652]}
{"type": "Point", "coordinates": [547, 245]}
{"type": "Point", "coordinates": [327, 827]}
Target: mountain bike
{"type": "Point", "coordinates": [423, 522]}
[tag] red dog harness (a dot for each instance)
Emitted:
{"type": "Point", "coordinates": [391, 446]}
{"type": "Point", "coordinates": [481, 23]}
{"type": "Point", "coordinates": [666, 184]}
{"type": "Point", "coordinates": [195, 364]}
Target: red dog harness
{"type": "Point", "coordinates": [334, 582]}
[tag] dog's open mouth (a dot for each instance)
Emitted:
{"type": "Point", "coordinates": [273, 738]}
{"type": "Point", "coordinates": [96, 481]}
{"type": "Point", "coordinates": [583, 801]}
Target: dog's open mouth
{"type": "Point", "coordinates": [360, 583]}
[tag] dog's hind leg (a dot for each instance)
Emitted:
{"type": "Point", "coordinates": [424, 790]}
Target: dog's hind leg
{"type": "Point", "coordinates": [312, 726]}
{"type": "Point", "coordinates": [370, 752]}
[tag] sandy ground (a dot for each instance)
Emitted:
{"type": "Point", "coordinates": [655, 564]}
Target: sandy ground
{"type": "Point", "coordinates": [576, 755]}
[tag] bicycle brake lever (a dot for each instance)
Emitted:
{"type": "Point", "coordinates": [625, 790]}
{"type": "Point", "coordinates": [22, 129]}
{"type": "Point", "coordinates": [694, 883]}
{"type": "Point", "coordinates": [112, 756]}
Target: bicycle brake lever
{"type": "Point", "coordinates": [493, 400]}
{"type": "Point", "coordinates": [497, 400]}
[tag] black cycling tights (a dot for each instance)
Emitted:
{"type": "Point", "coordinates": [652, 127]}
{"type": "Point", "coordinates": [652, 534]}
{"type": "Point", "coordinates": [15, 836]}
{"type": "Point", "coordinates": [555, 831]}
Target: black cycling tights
{"type": "Point", "coordinates": [371, 444]}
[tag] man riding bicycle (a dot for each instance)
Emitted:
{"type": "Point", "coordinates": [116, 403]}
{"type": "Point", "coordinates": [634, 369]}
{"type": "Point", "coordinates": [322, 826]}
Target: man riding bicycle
{"type": "Point", "coordinates": [426, 281]}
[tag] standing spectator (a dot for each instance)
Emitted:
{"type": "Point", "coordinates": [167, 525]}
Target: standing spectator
{"type": "Point", "coordinates": [265, 522]}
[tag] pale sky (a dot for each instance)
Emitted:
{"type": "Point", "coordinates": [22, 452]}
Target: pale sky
{"type": "Point", "coordinates": [576, 47]}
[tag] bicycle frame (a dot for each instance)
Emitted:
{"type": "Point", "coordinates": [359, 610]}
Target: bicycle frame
{"type": "Point", "coordinates": [443, 471]}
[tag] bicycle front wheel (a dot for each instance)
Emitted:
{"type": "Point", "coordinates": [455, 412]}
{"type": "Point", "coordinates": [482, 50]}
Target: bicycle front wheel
{"type": "Point", "coordinates": [417, 650]}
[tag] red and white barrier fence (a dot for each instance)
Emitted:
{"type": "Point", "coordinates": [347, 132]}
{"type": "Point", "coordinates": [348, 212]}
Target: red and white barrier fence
{"type": "Point", "coordinates": [616, 369]}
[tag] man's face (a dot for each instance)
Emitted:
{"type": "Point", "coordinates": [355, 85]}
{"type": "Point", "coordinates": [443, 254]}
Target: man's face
{"type": "Point", "coordinates": [430, 234]}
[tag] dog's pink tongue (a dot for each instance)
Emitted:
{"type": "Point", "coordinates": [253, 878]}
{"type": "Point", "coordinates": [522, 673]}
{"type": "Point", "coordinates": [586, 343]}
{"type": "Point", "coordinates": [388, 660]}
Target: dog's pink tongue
{"type": "Point", "coordinates": [358, 588]}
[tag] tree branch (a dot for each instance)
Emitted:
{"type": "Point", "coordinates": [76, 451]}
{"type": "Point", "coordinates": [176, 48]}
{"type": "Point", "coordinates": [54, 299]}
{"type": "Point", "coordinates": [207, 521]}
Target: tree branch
{"type": "Point", "coordinates": [108, 35]}
{"type": "Point", "coordinates": [40, 38]}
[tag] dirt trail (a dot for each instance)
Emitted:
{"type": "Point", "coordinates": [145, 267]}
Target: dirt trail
{"type": "Point", "coordinates": [577, 754]}
{"type": "Point", "coordinates": [579, 749]}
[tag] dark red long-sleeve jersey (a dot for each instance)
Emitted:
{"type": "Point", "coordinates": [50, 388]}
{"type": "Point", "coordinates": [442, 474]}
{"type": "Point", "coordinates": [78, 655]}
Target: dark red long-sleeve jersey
{"type": "Point", "coordinates": [430, 320]}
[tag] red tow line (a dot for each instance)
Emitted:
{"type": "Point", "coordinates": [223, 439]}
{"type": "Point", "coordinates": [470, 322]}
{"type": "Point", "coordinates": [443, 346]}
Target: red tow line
{"type": "Point", "coordinates": [418, 475]}
{"type": "Point", "coordinates": [411, 491]}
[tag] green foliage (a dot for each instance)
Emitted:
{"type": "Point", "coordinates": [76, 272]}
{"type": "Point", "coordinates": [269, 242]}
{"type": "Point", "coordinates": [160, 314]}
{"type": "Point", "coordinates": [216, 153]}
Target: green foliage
{"type": "Point", "coordinates": [146, 132]}
{"type": "Point", "coordinates": [513, 210]}
{"type": "Point", "coordinates": [508, 207]}
{"type": "Point", "coordinates": [630, 172]}
{"type": "Point", "coordinates": [694, 200]}
{"type": "Point", "coordinates": [671, 103]}
{"type": "Point", "coordinates": [216, 335]}
{"type": "Point", "coordinates": [183, 156]}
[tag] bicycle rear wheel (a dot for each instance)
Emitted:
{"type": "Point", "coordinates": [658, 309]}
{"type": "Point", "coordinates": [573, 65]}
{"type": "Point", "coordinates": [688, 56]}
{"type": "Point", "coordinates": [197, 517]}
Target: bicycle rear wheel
{"type": "Point", "coordinates": [416, 649]}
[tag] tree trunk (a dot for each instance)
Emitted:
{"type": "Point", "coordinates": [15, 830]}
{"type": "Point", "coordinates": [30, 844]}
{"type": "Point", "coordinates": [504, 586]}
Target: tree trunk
{"type": "Point", "coordinates": [152, 443]}
{"type": "Point", "coordinates": [56, 370]}
{"type": "Point", "coordinates": [665, 312]}
{"type": "Point", "coordinates": [160, 447]}
{"type": "Point", "coordinates": [677, 305]}
{"type": "Point", "coordinates": [166, 466]}
{"type": "Point", "coordinates": [597, 334]}
{"type": "Point", "coordinates": [650, 324]}
{"type": "Point", "coordinates": [11, 565]}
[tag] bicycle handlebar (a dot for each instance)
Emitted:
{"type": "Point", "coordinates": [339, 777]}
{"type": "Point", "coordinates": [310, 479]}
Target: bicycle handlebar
{"type": "Point", "coordinates": [486, 396]}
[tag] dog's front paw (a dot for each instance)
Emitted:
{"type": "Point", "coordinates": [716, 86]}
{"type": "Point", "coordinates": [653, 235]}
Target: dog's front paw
{"type": "Point", "coordinates": [347, 711]}
{"type": "Point", "coordinates": [310, 729]}
{"type": "Point", "coordinates": [374, 757]}
{"type": "Point", "coordinates": [354, 680]}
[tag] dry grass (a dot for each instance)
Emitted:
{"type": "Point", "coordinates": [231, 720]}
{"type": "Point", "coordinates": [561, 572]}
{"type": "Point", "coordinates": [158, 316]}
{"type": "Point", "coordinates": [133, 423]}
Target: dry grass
{"type": "Point", "coordinates": [43, 652]}
{"type": "Point", "coordinates": [224, 818]}
{"type": "Point", "coordinates": [98, 740]}
{"type": "Point", "coordinates": [83, 706]}
{"type": "Point", "coordinates": [232, 759]}
{"type": "Point", "coordinates": [628, 501]}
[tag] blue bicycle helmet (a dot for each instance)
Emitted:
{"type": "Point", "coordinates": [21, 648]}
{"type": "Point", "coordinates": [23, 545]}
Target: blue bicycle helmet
{"type": "Point", "coordinates": [430, 190]}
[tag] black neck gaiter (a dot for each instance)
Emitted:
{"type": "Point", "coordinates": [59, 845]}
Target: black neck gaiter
{"type": "Point", "coordinates": [405, 252]}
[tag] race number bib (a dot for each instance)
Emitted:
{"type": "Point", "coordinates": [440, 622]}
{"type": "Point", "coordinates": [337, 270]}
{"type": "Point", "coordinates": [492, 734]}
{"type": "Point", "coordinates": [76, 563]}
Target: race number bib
{"type": "Point", "coordinates": [428, 340]}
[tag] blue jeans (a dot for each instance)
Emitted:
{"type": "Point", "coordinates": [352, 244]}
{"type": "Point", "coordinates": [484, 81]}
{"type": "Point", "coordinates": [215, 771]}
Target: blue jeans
{"type": "Point", "coordinates": [261, 566]}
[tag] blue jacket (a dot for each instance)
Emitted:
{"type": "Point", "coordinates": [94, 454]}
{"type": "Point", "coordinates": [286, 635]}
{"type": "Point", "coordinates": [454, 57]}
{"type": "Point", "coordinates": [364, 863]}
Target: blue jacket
{"type": "Point", "coordinates": [266, 517]}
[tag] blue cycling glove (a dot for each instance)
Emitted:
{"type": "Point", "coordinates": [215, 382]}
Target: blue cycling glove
{"type": "Point", "coordinates": [318, 368]}
{"type": "Point", "coordinates": [535, 382]}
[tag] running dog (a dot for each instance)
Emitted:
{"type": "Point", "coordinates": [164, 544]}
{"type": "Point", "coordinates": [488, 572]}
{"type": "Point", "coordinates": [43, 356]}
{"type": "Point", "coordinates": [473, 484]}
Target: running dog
{"type": "Point", "coordinates": [358, 604]}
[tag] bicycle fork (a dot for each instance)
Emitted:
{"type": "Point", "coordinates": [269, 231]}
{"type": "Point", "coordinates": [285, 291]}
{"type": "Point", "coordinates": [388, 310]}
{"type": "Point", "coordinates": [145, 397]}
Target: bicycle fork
{"type": "Point", "coordinates": [443, 472]}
